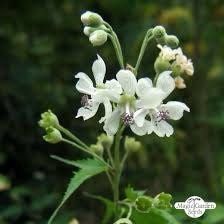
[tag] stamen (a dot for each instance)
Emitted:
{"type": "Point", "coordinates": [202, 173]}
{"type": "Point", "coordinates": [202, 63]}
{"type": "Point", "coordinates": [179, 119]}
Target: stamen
{"type": "Point", "coordinates": [162, 115]}
{"type": "Point", "coordinates": [128, 118]}
{"type": "Point", "coordinates": [85, 101]}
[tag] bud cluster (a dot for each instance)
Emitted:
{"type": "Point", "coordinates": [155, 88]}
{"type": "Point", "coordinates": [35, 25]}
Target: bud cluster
{"type": "Point", "coordinates": [50, 123]}
{"type": "Point", "coordinates": [94, 28]}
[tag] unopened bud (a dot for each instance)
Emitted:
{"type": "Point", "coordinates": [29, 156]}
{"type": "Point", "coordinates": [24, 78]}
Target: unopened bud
{"type": "Point", "coordinates": [98, 37]}
{"type": "Point", "coordinates": [53, 135]}
{"type": "Point", "coordinates": [161, 65]}
{"type": "Point", "coordinates": [159, 31]}
{"type": "Point", "coordinates": [162, 201]}
{"type": "Point", "coordinates": [143, 204]}
{"type": "Point", "coordinates": [88, 29]}
{"type": "Point", "coordinates": [105, 140]}
{"type": "Point", "coordinates": [132, 145]}
{"type": "Point", "coordinates": [97, 148]}
{"type": "Point", "coordinates": [172, 41]}
{"type": "Point", "coordinates": [48, 119]}
{"type": "Point", "coordinates": [91, 19]}
{"type": "Point", "coordinates": [123, 221]}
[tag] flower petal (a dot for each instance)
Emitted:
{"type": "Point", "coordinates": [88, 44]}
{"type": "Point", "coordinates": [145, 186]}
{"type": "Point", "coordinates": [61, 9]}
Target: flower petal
{"type": "Point", "coordinates": [99, 70]}
{"type": "Point", "coordinates": [139, 117]}
{"type": "Point", "coordinates": [166, 83]}
{"type": "Point", "coordinates": [151, 99]}
{"type": "Point", "coordinates": [128, 81]}
{"type": "Point", "coordinates": [114, 90]}
{"type": "Point", "coordinates": [141, 130]}
{"type": "Point", "coordinates": [88, 112]}
{"type": "Point", "coordinates": [163, 128]}
{"type": "Point", "coordinates": [85, 84]}
{"type": "Point", "coordinates": [175, 109]}
{"type": "Point", "coordinates": [111, 124]}
{"type": "Point", "coordinates": [108, 110]}
{"type": "Point", "coordinates": [143, 85]}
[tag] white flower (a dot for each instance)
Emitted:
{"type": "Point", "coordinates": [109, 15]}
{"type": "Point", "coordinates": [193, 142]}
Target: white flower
{"type": "Point", "coordinates": [94, 96]}
{"type": "Point", "coordinates": [160, 113]}
{"type": "Point", "coordinates": [179, 82]}
{"type": "Point", "coordinates": [126, 109]}
{"type": "Point", "coordinates": [177, 56]}
{"type": "Point", "coordinates": [166, 52]}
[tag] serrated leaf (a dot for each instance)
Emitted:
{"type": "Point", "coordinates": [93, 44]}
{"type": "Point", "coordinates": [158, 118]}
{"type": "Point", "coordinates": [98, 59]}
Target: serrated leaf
{"type": "Point", "coordinates": [88, 169]}
{"type": "Point", "coordinates": [154, 216]}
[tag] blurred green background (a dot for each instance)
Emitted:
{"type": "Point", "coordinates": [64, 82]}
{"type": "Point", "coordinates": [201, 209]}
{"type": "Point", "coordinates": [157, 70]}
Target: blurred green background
{"type": "Point", "coordinates": [42, 47]}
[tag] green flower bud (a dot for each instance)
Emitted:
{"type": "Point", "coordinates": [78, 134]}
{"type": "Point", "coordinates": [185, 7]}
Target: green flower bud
{"type": "Point", "coordinates": [48, 119]}
{"type": "Point", "coordinates": [161, 65]}
{"type": "Point", "coordinates": [98, 37]}
{"type": "Point", "coordinates": [162, 201]}
{"type": "Point", "coordinates": [53, 135]}
{"type": "Point", "coordinates": [91, 19]}
{"type": "Point", "coordinates": [159, 32]}
{"type": "Point", "coordinates": [105, 140]}
{"type": "Point", "coordinates": [88, 29]}
{"type": "Point", "coordinates": [132, 145]}
{"type": "Point", "coordinates": [171, 41]}
{"type": "Point", "coordinates": [143, 204]}
{"type": "Point", "coordinates": [97, 148]}
{"type": "Point", "coordinates": [177, 70]}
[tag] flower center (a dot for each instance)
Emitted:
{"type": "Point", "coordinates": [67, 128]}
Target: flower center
{"type": "Point", "coordinates": [85, 101]}
{"type": "Point", "coordinates": [162, 115]}
{"type": "Point", "coordinates": [127, 117]}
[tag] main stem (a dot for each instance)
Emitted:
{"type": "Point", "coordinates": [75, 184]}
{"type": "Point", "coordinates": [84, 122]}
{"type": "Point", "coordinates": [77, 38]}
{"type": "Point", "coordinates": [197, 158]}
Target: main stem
{"type": "Point", "coordinates": [117, 170]}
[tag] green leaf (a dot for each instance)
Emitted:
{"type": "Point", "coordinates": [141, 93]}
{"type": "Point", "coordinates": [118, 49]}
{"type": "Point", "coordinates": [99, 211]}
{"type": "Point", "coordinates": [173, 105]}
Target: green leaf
{"type": "Point", "coordinates": [110, 208]}
{"type": "Point", "coordinates": [154, 216]}
{"type": "Point", "coordinates": [132, 194]}
{"type": "Point", "coordinates": [88, 169]}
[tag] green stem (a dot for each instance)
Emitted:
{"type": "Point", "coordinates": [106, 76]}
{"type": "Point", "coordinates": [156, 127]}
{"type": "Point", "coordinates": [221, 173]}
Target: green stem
{"type": "Point", "coordinates": [146, 40]}
{"type": "Point", "coordinates": [117, 169]}
{"type": "Point", "coordinates": [85, 150]}
{"type": "Point", "coordinates": [116, 44]}
{"type": "Point", "coordinates": [72, 136]}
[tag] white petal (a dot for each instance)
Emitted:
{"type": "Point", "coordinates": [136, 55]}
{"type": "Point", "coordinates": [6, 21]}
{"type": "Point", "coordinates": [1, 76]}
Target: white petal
{"type": "Point", "coordinates": [166, 83]}
{"type": "Point", "coordinates": [114, 90]}
{"type": "Point", "coordinates": [151, 99]}
{"type": "Point", "coordinates": [85, 84]}
{"type": "Point", "coordinates": [108, 110]}
{"type": "Point", "coordinates": [143, 85]}
{"type": "Point", "coordinates": [128, 81]}
{"type": "Point", "coordinates": [111, 124]}
{"type": "Point", "coordinates": [139, 116]}
{"type": "Point", "coordinates": [87, 112]}
{"type": "Point", "coordinates": [175, 109]}
{"type": "Point", "coordinates": [163, 128]}
{"type": "Point", "coordinates": [99, 70]}
{"type": "Point", "coordinates": [141, 130]}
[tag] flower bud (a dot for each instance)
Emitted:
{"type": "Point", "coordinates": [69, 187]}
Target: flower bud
{"type": "Point", "coordinates": [132, 145]}
{"type": "Point", "coordinates": [159, 32]}
{"type": "Point", "coordinates": [88, 29]}
{"type": "Point", "coordinates": [161, 65]}
{"type": "Point", "coordinates": [74, 221]}
{"type": "Point", "coordinates": [98, 37]}
{"type": "Point", "coordinates": [105, 140]}
{"type": "Point", "coordinates": [143, 204]}
{"type": "Point", "coordinates": [162, 201]}
{"type": "Point", "coordinates": [97, 148]}
{"type": "Point", "coordinates": [53, 135]}
{"type": "Point", "coordinates": [179, 83]}
{"type": "Point", "coordinates": [48, 119]}
{"type": "Point", "coordinates": [123, 221]}
{"type": "Point", "coordinates": [172, 41]}
{"type": "Point", "coordinates": [91, 19]}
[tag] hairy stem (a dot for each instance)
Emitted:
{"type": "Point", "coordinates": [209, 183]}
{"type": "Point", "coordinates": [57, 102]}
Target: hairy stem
{"type": "Point", "coordinates": [146, 40]}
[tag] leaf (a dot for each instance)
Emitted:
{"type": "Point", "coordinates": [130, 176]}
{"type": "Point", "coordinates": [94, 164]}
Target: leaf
{"type": "Point", "coordinates": [110, 208]}
{"type": "Point", "coordinates": [88, 169]}
{"type": "Point", "coordinates": [132, 194]}
{"type": "Point", "coordinates": [214, 216]}
{"type": "Point", "coordinates": [154, 216]}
